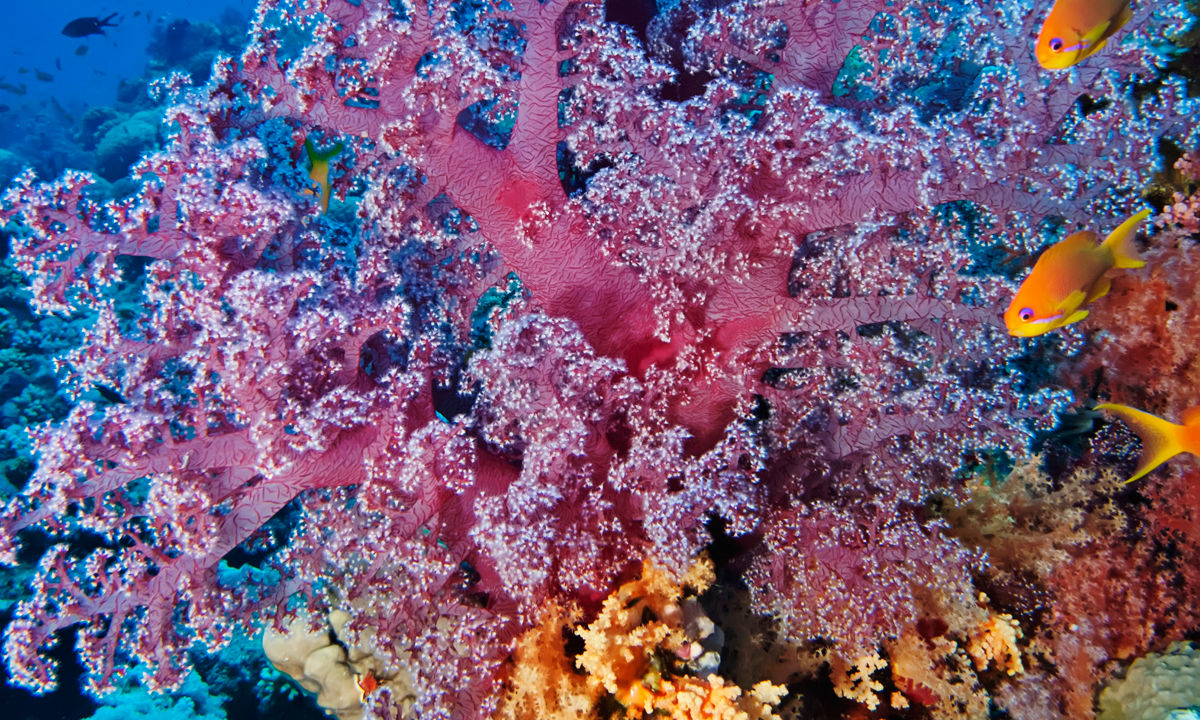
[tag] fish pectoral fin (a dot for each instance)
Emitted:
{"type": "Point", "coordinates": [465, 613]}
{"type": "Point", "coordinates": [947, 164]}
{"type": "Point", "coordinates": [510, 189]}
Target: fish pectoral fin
{"type": "Point", "coordinates": [1124, 16]}
{"type": "Point", "coordinates": [1074, 317]}
{"type": "Point", "coordinates": [1071, 302]}
{"type": "Point", "coordinates": [1094, 39]}
{"type": "Point", "coordinates": [1099, 289]}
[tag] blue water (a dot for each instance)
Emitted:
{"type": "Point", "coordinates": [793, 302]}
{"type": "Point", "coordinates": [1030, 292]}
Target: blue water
{"type": "Point", "coordinates": [35, 42]}
{"type": "Point", "coordinates": [50, 82]}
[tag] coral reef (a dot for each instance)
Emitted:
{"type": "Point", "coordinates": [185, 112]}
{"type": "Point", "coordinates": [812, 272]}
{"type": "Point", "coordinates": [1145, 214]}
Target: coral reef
{"type": "Point", "coordinates": [1062, 552]}
{"type": "Point", "coordinates": [28, 388]}
{"type": "Point", "coordinates": [591, 299]}
{"type": "Point", "coordinates": [122, 142]}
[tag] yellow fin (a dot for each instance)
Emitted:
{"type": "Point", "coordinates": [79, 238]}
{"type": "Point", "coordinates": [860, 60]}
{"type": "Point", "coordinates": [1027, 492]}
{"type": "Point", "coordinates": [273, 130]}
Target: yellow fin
{"type": "Point", "coordinates": [1074, 317]}
{"type": "Point", "coordinates": [1120, 242]}
{"type": "Point", "coordinates": [1099, 289]}
{"type": "Point", "coordinates": [1095, 38]}
{"type": "Point", "coordinates": [1073, 245]}
{"type": "Point", "coordinates": [1071, 302]}
{"type": "Point", "coordinates": [318, 161]}
{"type": "Point", "coordinates": [1160, 438]}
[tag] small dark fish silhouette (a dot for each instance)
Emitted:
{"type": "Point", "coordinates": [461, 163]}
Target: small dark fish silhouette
{"type": "Point", "coordinates": [62, 111]}
{"type": "Point", "coordinates": [81, 27]}
{"type": "Point", "coordinates": [81, 50]}
{"type": "Point", "coordinates": [109, 394]}
{"type": "Point", "coordinates": [58, 64]}
{"type": "Point", "coordinates": [43, 76]}
{"type": "Point", "coordinates": [4, 108]}
{"type": "Point", "coordinates": [18, 89]}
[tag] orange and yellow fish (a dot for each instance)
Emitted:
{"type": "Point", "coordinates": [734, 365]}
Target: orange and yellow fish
{"type": "Point", "coordinates": [1067, 276]}
{"type": "Point", "coordinates": [318, 162]}
{"type": "Point", "coordinates": [1161, 440]}
{"type": "Point", "coordinates": [1075, 29]}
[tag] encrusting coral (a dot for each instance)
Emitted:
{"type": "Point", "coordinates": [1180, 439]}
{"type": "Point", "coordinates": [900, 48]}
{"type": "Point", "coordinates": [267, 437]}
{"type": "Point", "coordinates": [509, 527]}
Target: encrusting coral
{"type": "Point", "coordinates": [1155, 687]}
{"type": "Point", "coordinates": [322, 662]}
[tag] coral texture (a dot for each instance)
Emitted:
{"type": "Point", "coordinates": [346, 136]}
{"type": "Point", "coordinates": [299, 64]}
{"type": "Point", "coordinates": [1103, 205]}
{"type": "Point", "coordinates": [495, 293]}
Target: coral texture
{"type": "Point", "coordinates": [1163, 685]}
{"type": "Point", "coordinates": [584, 293]}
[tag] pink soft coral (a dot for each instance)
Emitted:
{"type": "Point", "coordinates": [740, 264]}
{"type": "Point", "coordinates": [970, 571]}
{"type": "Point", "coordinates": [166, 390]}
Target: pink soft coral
{"type": "Point", "coordinates": [590, 297]}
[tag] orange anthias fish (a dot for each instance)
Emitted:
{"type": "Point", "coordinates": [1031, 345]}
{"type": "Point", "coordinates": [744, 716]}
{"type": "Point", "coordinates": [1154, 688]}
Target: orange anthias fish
{"type": "Point", "coordinates": [1075, 29]}
{"type": "Point", "coordinates": [319, 169]}
{"type": "Point", "coordinates": [1161, 440]}
{"type": "Point", "coordinates": [1070, 274]}
{"type": "Point", "coordinates": [367, 683]}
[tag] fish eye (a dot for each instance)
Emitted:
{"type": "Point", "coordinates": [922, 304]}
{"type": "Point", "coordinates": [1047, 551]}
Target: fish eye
{"type": "Point", "coordinates": [1056, 44]}
{"type": "Point", "coordinates": [1026, 314]}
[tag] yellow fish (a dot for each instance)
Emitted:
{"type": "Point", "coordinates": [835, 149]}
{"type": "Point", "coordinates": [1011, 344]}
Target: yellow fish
{"type": "Point", "coordinates": [319, 169]}
{"type": "Point", "coordinates": [1161, 440]}
{"type": "Point", "coordinates": [1075, 29]}
{"type": "Point", "coordinates": [1069, 274]}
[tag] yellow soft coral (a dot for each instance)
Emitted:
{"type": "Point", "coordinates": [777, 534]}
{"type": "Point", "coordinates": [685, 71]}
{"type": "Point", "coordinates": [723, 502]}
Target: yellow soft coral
{"type": "Point", "coordinates": [633, 652]}
{"type": "Point", "coordinates": [995, 643]}
{"type": "Point", "coordinates": [853, 680]}
{"type": "Point", "coordinates": [690, 698]}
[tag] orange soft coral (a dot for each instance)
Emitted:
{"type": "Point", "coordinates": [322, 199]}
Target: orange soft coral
{"type": "Point", "coordinates": [638, 619]}
{"type": "Point", "coordinates": [635, 652]}
{"type": "Point", "coordinates": [690, 698]}
{"type": "Point", "coordinates": [994, 644]}
{"type": "Point", "coordinates": [542, 683]}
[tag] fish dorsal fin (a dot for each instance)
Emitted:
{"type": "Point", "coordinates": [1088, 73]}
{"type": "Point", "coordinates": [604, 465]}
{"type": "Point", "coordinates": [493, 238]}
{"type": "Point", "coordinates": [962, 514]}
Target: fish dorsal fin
{"type": "Point", "coordinates": [1191, 416]}
{"type": "Point", "coordinates": [1099, 35]}
{"type": "Point", "coordinates": [1082, 241]}
{"type": "Point", "coordinates": [1066, 252]}
{"type": "Point", "coordinates": [1071, 302]}
{"type": "Point", "coordinates": [1124, 16]}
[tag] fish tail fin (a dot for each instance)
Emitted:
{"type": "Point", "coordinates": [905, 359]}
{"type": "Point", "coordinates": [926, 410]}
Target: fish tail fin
{"type": "Point", "coordinates": [106, 20]}
{"type": "Point", "coordinates": [316, 156]}
{"type": "Point", "coordinates": [1161, 440]}
{"type": "Point", "coordinates": [1120, 242]}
